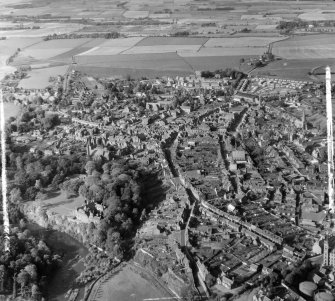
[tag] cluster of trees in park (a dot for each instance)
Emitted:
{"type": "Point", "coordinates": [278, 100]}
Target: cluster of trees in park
{"type": "Point", "coordinates": [233, 74]}
{"type": "Point", "coordinates": [31, 117]}
{"type": "Point", "coordinates": [25, 269]}
{"type": "Point", "coordinates": [119, 187]}
{"type": "Point", "coordinates": [30, 174]}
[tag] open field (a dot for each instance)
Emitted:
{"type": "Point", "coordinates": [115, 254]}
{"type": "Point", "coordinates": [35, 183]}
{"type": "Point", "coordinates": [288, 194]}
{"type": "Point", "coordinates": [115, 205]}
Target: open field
{"type": "Point", "coordinates": [164, 61]}
{"type": "Point", "coordinates": [292, 69]}
{"type": "Point", "coordinates": [241, 42]}
{"type": "Point", "coordinates": [111, 47]}
{"type": "Point", "coordinates": [111, 72]}
{"type": "Point", "coordinates": [48, 49]}
{"type": "Point", "coordinates": [58, 203]}
{"type": "Point", "coordinates": [218, 62]}
{"type": "Point", "coordinates": [317, 46]}
{"type": "Point", "coordinates": [318, 15]}
{"type": "Point", "coordinates": [151, 41]}
{"type": "Point", "coordinates": [226, 51]}
{"type": "Point", "coordinates": [163, 49]}
{"type": "Point", "coordinates": [39, 78]}
{"type": "Point", "coordinates": [11, 110]}
{"type": "Point", "coordinates": [127, 285]}
{"type": "Point", "coordinates": [136, 14]}
{"type": "Point", "coordinates": [46, 29]}
{"type": "Point", "coordinates": [152, 69]}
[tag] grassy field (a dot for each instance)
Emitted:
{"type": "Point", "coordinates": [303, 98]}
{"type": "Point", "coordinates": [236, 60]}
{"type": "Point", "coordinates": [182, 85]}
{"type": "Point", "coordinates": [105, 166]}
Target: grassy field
{"type": "Point", "coordinates": [48, 49]}
{"type": "Point", "coordinates": [126, 285]}
{"type": "Point", "coordinates": [11, 110]}
{"type": "Point", "coordinates": [111, 72]}
{"type": "Point", "coordinates": [318, 15]}
{"type": "Point", "coordinates": [164, 61]}
{"type": "Point", "coordinates": [317, 46]}
{"type": "Point", "coordinates": [151, 41]}
{"type": "Point", "coordinates": [292, 69]}
{"type": "Point", "coordinates": [58, 203]}
{"type": "Point", "coordinates": [163, 49]}
{"type": "Point", "coordinates": [240, 42]}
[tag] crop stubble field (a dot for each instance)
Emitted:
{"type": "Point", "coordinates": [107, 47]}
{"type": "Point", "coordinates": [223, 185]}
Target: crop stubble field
{"type": "Point", "coordinates": [319, 46]}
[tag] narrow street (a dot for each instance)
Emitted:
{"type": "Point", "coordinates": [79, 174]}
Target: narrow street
{"type": "Point", "coordinates": [188, 214]}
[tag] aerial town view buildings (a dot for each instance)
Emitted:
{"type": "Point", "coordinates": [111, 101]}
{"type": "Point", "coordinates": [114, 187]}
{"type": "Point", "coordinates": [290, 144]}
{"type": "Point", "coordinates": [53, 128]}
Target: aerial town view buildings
{"type": "Point", "coordinates": [181, 150]}
{"type": "Point", "coordinates": [245, 201]}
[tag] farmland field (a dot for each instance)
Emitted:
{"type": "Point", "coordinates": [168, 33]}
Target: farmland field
{"type": "Point", "coordinates": [166, 61]}
{"type": "Point", "coordinates": [226, 51]}
{"type": "Point", "coordinates": [47, 49]}
{"type": "Point", "coordinates": [318, 15]}
{"type": "Point", "coordinates": [306, 47]}
{"type": "Point", "coordinates": [241, 42]}
{"type": "Point", "coordinates": [151, 41]}
{"type": "Point", "coordinates": [163, 48]}
{"type": "Point", "coordinates": [136, 14]}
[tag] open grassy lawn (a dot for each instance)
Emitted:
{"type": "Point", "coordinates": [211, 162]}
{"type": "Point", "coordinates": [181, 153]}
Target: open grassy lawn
{"type": "Point", "coordinates": [292, 69]}
{"type": "Point", "coordinates": [39, 78]}
{"type": "Point", "coordinates": [126, 285]}
{"type": "Point", "coordinates": [60, 204]}
{"type": "Point", "coordinates": [11, 110]}
{"type": "Point", "coordinates": [218, 62]}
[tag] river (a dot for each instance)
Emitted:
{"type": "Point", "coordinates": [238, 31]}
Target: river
{"type": "Point", "coordinates": [72, 261]}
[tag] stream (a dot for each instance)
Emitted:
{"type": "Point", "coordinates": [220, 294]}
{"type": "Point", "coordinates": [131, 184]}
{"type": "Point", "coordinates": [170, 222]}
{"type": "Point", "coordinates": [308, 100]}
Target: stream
{"type": "Point", "coordinates": [72, 252]}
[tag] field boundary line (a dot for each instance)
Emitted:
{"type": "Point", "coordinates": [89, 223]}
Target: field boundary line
{"type": "Point", "coordinates": [140, 41]}
{"type": "Point", "coordinates": [186, 62]}
{"type": "Point", "coordinates": [131, 47]}
{"type": "Point", "coordinates": [203, 45]}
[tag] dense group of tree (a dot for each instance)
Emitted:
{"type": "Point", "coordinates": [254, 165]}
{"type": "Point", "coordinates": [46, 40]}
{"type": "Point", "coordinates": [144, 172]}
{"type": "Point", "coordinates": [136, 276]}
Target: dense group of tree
{"type": "Point", "coordinates": [30, 174]}
{"type": "Point", "coordinates": [233, 74]}
{"type": "Point", "coordinates": [25, 269]}
{"type": "Point", "coordinates": [289, 26]}
{"type": "Point", "coordinates": [93, 35]}
{"type": "Point", "coordinates": [118, 187]}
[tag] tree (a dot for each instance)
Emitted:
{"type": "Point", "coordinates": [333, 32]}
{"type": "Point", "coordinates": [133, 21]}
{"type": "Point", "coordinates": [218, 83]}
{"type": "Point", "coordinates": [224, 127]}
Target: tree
{"type": "Point", "coordinates": [32, 271]}
{"type": "Point", "coordinates": [2, 277]}
{"type": "Point", "coordinates": [90, 167]}
{"type": "Point", "coordinates": [50, 121]}
{"type": "Point", "coordinates": [15, 196]}
{"type": "Point", "coordinates": [35, 292]}
{"type": "Point", "coordinates": [23, 278]}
